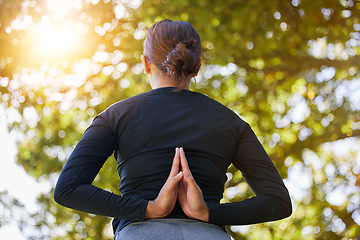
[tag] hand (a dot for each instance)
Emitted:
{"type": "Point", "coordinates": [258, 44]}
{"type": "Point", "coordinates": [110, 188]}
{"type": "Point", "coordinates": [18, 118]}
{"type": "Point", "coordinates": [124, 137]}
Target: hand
{"type": "Point", "coordinates": [167, 197]}
{"type": "Point", "coordinates": [190, 196]}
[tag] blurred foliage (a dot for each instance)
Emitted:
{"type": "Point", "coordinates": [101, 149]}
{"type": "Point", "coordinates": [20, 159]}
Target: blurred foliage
{"type": "Point", "coordinates": [8, 204]}
{"type": "Point", "coordinates": [33, 225]}
{"type": "Point", "coordinates": [289, 68]}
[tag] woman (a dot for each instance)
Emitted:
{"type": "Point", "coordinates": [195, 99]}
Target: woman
{"type": "Point", "coordinates": [167, 196]}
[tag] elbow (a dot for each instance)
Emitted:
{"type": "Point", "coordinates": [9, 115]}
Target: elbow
{"type": "Point", "coordinates": [287, 210]}
{"type": "Point", "coordinates": [284, 204]}
{"type": "Point", "coordinates": [61, 193]}
{"type": "Point", "coordinates": [280, 210]}
{"type": "Point", "coordinates": [58, 196]}
{"type": "Point", "coordinates": [288, 206]}
{"type": "Point", "coordinates": [285, 207]}
{"type": "Point", "coordinates": [281, 207]}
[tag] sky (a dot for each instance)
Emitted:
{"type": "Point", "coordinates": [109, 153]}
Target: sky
{"type": "Point", "coordinates": [15, 180]}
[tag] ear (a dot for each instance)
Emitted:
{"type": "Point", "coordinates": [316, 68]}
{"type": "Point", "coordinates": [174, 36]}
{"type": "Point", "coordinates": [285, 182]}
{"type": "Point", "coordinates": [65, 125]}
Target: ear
{"type": "Point", "coordinates": [146, 64]}
{"type": "Point", "coordinates": [195, 74]}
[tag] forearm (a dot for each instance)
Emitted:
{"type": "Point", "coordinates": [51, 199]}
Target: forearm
{"type": "Point", "coordinates": [261, 208]}
{"type": "Point", "coordinates": [91, 199]}
{"type": "Point", "coordinates": [152, 211]}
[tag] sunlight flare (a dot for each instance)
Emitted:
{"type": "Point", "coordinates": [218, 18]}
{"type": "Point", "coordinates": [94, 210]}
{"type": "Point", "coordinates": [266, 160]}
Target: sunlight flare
{"type": "Point", "coordinates": [54, 42]}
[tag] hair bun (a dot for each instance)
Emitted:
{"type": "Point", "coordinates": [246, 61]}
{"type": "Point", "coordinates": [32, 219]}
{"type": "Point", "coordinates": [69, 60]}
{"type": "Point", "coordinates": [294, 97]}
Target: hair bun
{"type": "Point", "coordinates": [180, 61]}
{"type": "Point", "coordinates": [174, 47]}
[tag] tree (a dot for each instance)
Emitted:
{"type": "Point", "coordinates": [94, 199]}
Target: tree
{"type": "Point", "coordinates": [289, 68]}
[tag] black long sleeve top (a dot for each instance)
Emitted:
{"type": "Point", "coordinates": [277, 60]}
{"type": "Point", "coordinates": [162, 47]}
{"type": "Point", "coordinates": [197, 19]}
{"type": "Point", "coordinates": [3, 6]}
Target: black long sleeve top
{"type": "Point", "coordinates": [143, 132]}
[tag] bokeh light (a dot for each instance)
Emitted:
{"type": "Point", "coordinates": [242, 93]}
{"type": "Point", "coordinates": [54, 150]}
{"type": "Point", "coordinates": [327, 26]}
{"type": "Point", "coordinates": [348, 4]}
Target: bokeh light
{"type": "Point", "coordinates": [51, 42]}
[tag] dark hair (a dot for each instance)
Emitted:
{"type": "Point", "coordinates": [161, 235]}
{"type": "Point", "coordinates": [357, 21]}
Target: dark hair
{"type": "Point", "coordinates": [174, 47]}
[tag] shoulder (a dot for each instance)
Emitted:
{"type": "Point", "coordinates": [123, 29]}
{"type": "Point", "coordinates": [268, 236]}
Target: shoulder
{"type": "Point", "coordinates": [226, 111]}
{"type": "Point", "coordinates": [124, 105]}
{"type": "Point", "coordinates": [120, 111]}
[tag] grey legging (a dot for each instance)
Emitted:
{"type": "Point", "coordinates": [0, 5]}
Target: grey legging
{"type": "Point", "coordinates": [171, 229]}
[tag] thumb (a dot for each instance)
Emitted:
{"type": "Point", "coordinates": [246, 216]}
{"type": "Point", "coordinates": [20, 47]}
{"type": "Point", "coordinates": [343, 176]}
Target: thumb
{"type": "Point", "coordinates": [192, 185]}
{"type": "Point", "coordinates": [176, 179]}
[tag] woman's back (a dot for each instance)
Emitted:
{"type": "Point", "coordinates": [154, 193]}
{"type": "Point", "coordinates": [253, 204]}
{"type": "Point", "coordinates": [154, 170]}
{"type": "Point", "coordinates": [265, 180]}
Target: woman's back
{"type": "Point", "coordinates": [156, 122]}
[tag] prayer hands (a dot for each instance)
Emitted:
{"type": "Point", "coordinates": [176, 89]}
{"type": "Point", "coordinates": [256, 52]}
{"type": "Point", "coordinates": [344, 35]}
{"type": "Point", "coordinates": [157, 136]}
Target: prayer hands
{"type": "Point", "coordinates": [189, 195]}
{"type": "Point", "coordinates": [180, 186]}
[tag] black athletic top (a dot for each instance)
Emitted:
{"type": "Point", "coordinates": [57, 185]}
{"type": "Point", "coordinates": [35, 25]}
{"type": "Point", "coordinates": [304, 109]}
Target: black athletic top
{"type": "Point", "coordinates": [144, 131]}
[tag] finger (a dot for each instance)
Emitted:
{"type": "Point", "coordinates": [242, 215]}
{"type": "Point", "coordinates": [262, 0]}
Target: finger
{"type": "Point", "coordinates": [171, 187]}
{"type": "Point", "coordinates": [175, 163]}
{"type": "Point", "coordinates": [191, 183]}
{"type": "Point", "coordinates": [174, 182]}
{"type": "Point", "coordinates": [184, 163]}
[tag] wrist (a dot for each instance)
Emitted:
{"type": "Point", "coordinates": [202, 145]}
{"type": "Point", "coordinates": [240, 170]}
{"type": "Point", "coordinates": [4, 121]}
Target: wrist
{"type": "Point", "coordinates": [200, 214]}
{"type": "Point", "coordinates": [204, 215]}
{"type": "Point", "coordinates": [153, 211]}
{"type": "Point", "coordinates": [150, 211]}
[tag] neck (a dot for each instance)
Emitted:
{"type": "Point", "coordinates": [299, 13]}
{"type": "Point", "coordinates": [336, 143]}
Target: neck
{"type": "Point", "coordinates": [161, 81]}
{"type": "Point", "coordinates": [185, 86]}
